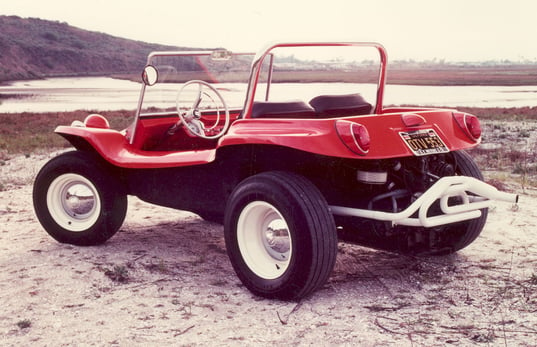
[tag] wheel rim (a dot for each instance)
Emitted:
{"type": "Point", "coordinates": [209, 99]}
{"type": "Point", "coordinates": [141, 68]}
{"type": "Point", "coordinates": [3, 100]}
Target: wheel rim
{"type": "Point", "coordinates": [264, 240]}
{"type": "Point", "coordinates": [73, 202]}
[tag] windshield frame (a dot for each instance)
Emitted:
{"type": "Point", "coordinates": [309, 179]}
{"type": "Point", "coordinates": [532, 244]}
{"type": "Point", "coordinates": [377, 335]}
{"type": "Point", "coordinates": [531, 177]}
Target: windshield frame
{"type": "Point", "coordinates": [256, 67]}
{"type": "Point", "coordinates": [196, 53]}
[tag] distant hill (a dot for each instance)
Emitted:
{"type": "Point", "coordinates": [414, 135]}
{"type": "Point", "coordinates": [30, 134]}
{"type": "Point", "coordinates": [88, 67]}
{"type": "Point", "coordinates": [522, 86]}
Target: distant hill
{"type": "Point", "coordinates": [32, 48]}
{"type": "Point", "coordinates": [35, 48]}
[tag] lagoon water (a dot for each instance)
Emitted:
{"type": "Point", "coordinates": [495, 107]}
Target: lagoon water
{"type": "Point", "coordinates": [69, 94]}
{"type": "Point", "coordinates": [103, 93]}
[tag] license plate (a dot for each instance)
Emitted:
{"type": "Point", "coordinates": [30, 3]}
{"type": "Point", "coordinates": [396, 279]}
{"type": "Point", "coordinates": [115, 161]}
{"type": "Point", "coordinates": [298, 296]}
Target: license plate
{"type": "Point", "coordinates": [423, 142]}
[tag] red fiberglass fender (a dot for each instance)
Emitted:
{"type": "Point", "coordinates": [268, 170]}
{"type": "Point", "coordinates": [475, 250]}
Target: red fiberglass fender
{"type": "Point", "coordinates": [320, 136]}
{"type": "Point", "coordinates": [310, 135]}
{"type": "Point", "coordinates": [115, 148]}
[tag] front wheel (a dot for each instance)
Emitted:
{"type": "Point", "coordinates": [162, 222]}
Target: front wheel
{"type": "Point", "coordinates": [77, 200]}
{"type": "Point", "coordinates": [280, 235]}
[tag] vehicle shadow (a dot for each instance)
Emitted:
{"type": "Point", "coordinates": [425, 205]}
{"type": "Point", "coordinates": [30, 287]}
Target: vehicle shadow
{"type": "Point", "coordinates": [182, 246]}
{"type": "Point", "coordinates": [195, 250]}
{"type": "Point", "coordinates": [388, 273]}
{"type": "Point", "coordinates": [184, 252]}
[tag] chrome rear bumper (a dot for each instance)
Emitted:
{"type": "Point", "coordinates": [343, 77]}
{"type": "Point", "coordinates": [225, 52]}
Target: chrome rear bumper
{"type": "Point", "coordinates": [482, 195]}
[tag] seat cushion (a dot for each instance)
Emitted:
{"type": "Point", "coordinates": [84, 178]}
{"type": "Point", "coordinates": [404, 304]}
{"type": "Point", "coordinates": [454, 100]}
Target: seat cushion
{"type": "Point", "coordinates": [340, 105]}
{"type": "Point", "coordinates": [288, 109]}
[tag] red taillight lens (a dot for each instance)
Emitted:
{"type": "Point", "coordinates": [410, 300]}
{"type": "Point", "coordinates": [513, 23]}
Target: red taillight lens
{"type": "Point", "coordinates": [354, 135]}
{"type": "Point", "coordinates": [473, 125]}
{"type": "Point", "coordinates": [469, 124]}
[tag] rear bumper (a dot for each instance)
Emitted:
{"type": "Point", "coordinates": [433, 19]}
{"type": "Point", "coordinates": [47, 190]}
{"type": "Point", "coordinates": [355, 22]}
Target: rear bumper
{"type": "Point", "coordinates": [474, 194]}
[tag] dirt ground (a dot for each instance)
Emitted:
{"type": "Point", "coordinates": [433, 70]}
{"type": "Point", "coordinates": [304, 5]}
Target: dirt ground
{"type": "Point", "coordinates": [165, 279]}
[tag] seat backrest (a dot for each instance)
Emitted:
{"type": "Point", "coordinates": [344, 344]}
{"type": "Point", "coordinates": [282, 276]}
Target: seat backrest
{"type": "Point", "coordinates": [340, 105]}
{"type": "Point", "coordinates": [288, 109]}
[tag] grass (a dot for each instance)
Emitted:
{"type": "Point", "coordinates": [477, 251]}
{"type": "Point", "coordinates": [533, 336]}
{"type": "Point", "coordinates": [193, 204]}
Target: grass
{"type": "Point", "coordinates": [459, 75]}
{"type": "Point", "coordinates": [25, 133]}
{"type": "Point", "coordinates": [507, 114]}
{"type": "Point", "coordinates": [118, 274]}
{"type": "Point", "coordinates": [160, 267]}
{"type": "Point", "coordinates": [512, 154]}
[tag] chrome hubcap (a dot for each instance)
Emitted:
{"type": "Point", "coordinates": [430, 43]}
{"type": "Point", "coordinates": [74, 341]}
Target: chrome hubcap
{"type": "Point", "coordinates": [73, 202]}
{"type": "Point", "coordinates": [264, 240]}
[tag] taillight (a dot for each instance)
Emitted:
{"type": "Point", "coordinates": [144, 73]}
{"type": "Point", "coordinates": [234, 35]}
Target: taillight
{"type": "Point", "coordinates": [469, 124]}
{"type": "Point", "coordinates": [354, 135]}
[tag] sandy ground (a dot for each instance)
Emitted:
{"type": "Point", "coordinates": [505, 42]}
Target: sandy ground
{"type": "Point", "coordinates": [165, 279]}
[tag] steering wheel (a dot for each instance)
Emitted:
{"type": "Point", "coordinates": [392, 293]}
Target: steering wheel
{"type": "Point", "coordinates": [190, 115]}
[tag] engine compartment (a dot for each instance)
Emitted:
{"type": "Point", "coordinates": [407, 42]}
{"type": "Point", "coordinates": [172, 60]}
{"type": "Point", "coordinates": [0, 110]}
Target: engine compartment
{"type": "Point", "coordinates": [388, 185]}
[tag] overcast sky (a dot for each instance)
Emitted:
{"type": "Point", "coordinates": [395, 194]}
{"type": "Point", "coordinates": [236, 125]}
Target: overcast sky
{"type": "Point", "coordinates": [453, 30]}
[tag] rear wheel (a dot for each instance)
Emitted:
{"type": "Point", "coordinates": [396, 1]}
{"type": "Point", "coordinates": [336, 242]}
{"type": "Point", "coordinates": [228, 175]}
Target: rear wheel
{"type": "Point", "coordinates": [280, 236]}
{"type": "Point", "coordinates": [77, 200]}
{"type": "Point", "coordinates": [453, 237]}
{"type": "Point", "coordinates": [463, 234]}
{"type": "Point", "coordinates": [420, 241]}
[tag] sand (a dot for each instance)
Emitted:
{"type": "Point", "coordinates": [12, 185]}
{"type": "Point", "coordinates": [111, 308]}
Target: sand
{"type": "Point", "coordinates": [165, 279]}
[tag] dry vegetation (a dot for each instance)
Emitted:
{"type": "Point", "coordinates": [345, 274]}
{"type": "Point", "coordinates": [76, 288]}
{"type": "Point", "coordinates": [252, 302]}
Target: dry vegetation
{"type": "Point", "coordinates": [29, 132]}
{"type": "Point", "coordinates": [463, 74]}
{"type": "Point", "coordinates": [510, 154]}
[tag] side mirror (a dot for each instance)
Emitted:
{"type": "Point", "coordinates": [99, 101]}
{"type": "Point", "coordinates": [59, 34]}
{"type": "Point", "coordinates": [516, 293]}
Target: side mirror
{"type": "Point", "coordinates": [150, 75]}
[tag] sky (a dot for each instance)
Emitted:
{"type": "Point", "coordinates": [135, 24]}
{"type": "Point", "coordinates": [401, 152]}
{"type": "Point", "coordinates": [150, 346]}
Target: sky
{"type": "Point", "coordinates": [448, 30]}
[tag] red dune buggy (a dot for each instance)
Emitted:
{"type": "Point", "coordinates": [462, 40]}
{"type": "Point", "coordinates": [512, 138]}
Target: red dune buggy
{"type": "Point", "coordinates": [291, 149]}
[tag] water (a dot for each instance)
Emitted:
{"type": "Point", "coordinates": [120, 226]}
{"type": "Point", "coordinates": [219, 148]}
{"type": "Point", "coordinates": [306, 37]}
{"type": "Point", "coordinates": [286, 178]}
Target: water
{"type": "Point", "coordinates": [103, 93]}
{"type": "Point", "coordinates": [69, 94]}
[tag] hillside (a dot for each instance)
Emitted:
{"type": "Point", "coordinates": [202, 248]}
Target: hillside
{"type": "Point", "coordinates": [34, 48]}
